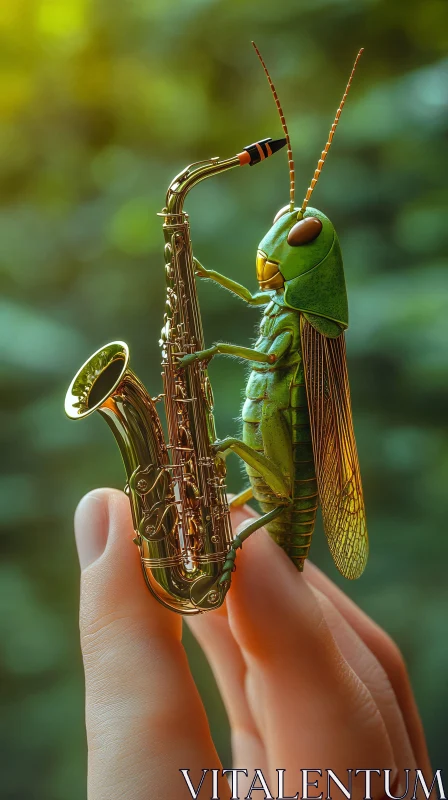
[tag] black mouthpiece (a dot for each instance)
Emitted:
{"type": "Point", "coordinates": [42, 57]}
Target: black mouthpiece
{"type": "Point", "coordinates": [263, 149]}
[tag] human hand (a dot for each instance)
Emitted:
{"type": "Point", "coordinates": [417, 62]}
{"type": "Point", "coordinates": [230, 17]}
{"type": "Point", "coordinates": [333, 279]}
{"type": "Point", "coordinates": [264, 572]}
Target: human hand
{"type": "Point", "coordinates": [307, 679]}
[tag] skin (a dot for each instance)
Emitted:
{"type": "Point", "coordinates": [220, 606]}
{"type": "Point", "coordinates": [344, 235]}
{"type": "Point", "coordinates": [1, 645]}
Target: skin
{"type": "Point", "coordinates": [308, 680]}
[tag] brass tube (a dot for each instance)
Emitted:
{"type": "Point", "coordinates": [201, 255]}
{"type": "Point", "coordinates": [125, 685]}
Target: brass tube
{"type": "Point", "coordinates": [180, 578]}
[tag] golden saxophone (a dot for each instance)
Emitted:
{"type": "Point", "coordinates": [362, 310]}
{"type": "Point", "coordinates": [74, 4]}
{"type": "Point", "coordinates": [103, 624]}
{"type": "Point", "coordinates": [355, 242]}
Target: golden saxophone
{"type": "Point", "coordinates": [177, 490]}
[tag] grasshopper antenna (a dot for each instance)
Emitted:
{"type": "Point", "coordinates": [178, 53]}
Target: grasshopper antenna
{"type": "Point", "coordinates": [285, 129]}
{"type": "Point", "coordinates": [324, 153]}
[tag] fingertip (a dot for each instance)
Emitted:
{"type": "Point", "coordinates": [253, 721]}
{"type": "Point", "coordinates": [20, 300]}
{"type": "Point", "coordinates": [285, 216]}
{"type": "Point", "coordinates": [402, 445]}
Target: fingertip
{"type": "Point", "coordinates": [102, 521]}
{"type": "Point", "coordinates": [92, 526]}
{"type": "Point", "coordinates": [112, 579]}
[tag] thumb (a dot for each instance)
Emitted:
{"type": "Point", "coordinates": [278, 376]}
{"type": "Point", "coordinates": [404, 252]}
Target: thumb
{"type": "Point", "coordinates": [144, 718]}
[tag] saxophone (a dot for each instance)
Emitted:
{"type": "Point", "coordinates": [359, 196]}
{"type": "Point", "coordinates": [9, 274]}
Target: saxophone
{"type": "Point", "coordinates": [177, 490]}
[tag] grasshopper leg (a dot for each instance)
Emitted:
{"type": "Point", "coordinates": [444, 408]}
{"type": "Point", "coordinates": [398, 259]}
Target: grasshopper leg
{"type": "Point", "coordinates": [241, 537]}
{"type": "Point", "coordinates": [276, 480]}
{"type": "Point", "coordinates": [245, 353]}
{"type": "Point", "coordinates": [259, 299]}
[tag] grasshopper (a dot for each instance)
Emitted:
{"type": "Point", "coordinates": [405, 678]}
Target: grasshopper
{"type": "Point", "coordinates": [298, 442]}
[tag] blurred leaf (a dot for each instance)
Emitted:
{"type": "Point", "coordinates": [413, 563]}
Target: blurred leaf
{"type": "Point", "coordinates": [34, 342]}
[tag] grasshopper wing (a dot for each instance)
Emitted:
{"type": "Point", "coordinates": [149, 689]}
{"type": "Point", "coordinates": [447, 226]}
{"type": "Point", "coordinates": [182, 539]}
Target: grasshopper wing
{"type": "Point", "coordinates": [334, 448]}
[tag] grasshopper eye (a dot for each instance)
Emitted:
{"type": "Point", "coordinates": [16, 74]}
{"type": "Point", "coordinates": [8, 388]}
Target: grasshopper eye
{"type": "Point", "coordinates": [304, 231]}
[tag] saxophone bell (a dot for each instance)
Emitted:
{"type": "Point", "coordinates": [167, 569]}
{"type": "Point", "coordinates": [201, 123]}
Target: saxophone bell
{"type": "Point", "coordinates": [174, 572]}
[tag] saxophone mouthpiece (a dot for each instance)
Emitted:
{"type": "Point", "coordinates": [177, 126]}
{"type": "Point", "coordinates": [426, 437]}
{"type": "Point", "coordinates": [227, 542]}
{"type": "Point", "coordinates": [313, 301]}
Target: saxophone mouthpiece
{"type": "Point", "coordinates": [254, 153]}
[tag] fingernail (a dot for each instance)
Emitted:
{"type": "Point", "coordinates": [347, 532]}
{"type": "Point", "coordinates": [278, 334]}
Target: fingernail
{"type": "Point", "coordinates": [91, 527]}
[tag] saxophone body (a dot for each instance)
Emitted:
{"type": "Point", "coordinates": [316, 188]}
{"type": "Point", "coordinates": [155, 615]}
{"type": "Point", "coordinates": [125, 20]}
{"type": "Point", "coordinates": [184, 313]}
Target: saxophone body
{"type": "Point", "coordinates": [177, 490]}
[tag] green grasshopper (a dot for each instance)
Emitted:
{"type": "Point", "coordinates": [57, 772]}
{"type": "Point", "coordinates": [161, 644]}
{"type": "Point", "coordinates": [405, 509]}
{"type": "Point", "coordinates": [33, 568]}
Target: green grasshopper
{"type": "Point", "coordinates": [298, 443]}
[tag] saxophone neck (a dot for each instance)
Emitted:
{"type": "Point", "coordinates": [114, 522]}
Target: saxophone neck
{"type": "Point", "coordinates": [200, 170]}
{"type": "Point", "coordinates": [189, 177]}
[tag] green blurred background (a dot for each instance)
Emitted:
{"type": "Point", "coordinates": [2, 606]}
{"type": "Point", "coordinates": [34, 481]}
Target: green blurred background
{"type": "Point", "coordinates": [101, 103]}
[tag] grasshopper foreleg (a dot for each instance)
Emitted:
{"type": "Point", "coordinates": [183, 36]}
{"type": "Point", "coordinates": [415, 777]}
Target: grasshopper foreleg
{"type": "Point", "coordinates": [259, 299]}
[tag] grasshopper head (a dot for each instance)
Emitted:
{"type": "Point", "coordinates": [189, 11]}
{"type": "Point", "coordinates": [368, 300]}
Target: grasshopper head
{"type": "Point", "coordinates": [299, 262]}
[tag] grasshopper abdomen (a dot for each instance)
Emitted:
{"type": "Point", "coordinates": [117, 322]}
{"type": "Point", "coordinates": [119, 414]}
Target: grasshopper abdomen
{"type": "Point", "coordinates": [276, 423]}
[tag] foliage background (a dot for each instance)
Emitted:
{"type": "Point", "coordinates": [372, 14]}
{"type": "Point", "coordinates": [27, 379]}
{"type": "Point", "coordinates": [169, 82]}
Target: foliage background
{"type": "Point", "coordinates": [101, 103]}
